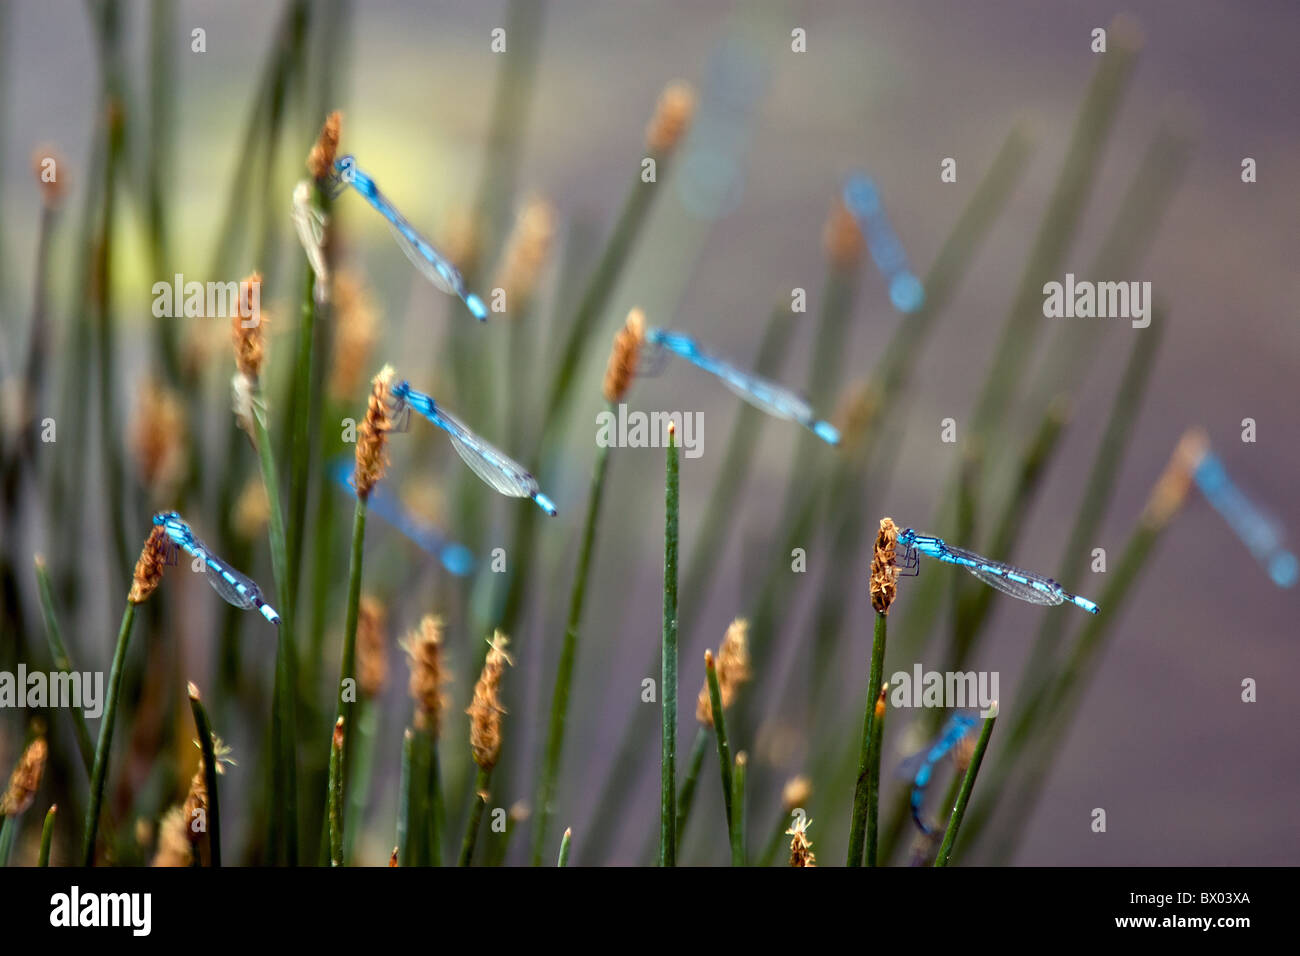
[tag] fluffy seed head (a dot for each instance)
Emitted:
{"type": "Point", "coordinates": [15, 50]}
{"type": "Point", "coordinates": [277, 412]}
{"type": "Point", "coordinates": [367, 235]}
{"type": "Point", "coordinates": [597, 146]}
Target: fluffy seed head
{"type": "Point", "coordinates": [149, 566]}
{"type": "Point", "coordinates": [247, 328]}
{"type": "Point", "coordinates": [801, 853]}
{"type": "Point", "coordinates": [795, 793]}
{"type": "Point", "coordinates": [372, 646]}
{"type": "Point", "coordinates": [485, 712]}
{"type": "Point", "coordinates": [841, 237]}
{"type": "Point", "coordinates": [320, 161]}
{"type": "Point", "coordinates": [625, 356]}
{"type": "Point", "coordinates": [424, 651]}
{"type": "Point", "coordinates": [25, 779]}
{"type": "Point", "coordinates": [672, 117]}
{"type": "Point", "coordinates": [1171, 489]}
{"type": "Point", "coordinates": [884, 567]}
{"type": "Point", "coordinates": [158, 438]}
{"type": "Point", "coordinates": [732, 668]}
{"type": "Point", "coordinates": [372, 437]}
{"type": "Point", "coordinates": [173, 840]}
{"type": "Point", "coordinates": [357, 329]}
{"type": "Point", "coordinates": [526, 254]}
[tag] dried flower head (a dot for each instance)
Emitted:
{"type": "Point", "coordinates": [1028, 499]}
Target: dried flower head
{"type": "Point", "coordinates": [796, 792]}
{"type": "Point", "coordinates": [48, 166]}
{"type": "Point", "coordinates": [625, 356]}
{"type": "Point", "coordinates": [320, 161]}
{"type": "Point", "coordinates": [221, 753]}
{"type": "Point", "coordinates": [252, 509]}
{"type": "Point", "coordinates": [801, 853]}
{"type": "Point", "coordinates": [372, 440]}
{"type": "Point", "coordinates": [195, 808]}
{"type": "Point", "coordinates": [173, 840]}
{"type": "Point", "coordinates": [149, 566]}
{"type": "Point", "coordinates": [392, 860]}
{"type": "Point", "coordinates": [429, 674]}
{"type": "Point", "coordinates": [372, 645]}
{"type": "Point", "coordinates": [357, 328]}
{"type": "Point", "coordinates": [732, 668]}
{"type": "Point", "coordinates": [884, 568]}
{"type": "Point", "coordinates": [158, 438]}
{"type": "Point", "coordinates": [526, 253]}
{"type": "Point", "coordinates": [1171, 488]}
{"type": "Point", "coordinates": [858, 405]}
{"type": "Point", "coordinates": [25, 779]}
{"type": "Point", "coordinates": [247, 328]}
{"type": "Point", "coordinates": [672, 117]}
{"type": "Point", "coordinates": [485, 712]}
{"type": "Point", "coordinates": [841, 237]}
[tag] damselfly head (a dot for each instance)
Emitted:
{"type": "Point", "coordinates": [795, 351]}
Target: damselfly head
{"type": "Point", "coordinates": [163, 517]}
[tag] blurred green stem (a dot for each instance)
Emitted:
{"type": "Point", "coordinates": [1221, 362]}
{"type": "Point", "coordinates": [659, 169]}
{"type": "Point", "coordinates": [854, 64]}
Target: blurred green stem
{"type": "Point", "coordinates": [668, 668]}
{"type": "Point", "coordinates": [99, 774]}
{"type": "Point", "coordinates": [963, 795]}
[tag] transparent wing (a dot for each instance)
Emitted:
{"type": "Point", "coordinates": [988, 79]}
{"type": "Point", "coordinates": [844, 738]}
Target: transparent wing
{"type": "Point", "coordinates": [994, 574]}
{"type": "Point", "coordinates": [425, 258]}
{"type": "Point", "coordinates": [763, 394]}
{"type": "Point", "coordinates": [226, 581]}
{"type": "Point", "coordinates": [491, 464]}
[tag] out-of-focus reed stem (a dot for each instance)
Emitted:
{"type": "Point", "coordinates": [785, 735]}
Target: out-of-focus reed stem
{"type": "Point", "coordinates": [563, 859]}
{"type": "Point", "coordinates": [99, 772]}
{"type": "Point", "coordinates": [1097, 495]}
{"type": "Point", "coordinates": [47, 836]}
{"type": "Point", "coordinates": [208, 749]}
{"type": "Point", "coordinates": [738, 775]}
{"type": "Point", "coordinates": [284, 721]}
{"type": "Point", "coordinates": [668, 667]}
{"type": "Point", "coordinates": [345, 692]}
{"type": "Point", "coordinates": [963, 795]}
{"type": "Point", "coordinates": [63, 663]}
{"type": "Point", "coordinates": [862, 805]}
{"type": "Point", "coordinates": [336, 795]}
{"type": "Point", "coordinates": [568, 655]}
{"type": "Point", "coordinates": [407, 798]}
{"type": "Point", "coordinates": [686, 795]}
{"type": "Point", "coordinates": [477, 801]}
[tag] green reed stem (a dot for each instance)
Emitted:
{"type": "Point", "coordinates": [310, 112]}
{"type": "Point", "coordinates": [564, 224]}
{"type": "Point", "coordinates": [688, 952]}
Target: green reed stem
{"type": "Point", "coordinates": [738, 810]}
{"type": "Point", "coordinates": [863, 805]}
{"type": "Point", "coordinates": [668, 667]}
{"type": "Point", "coordinates": [873, 779]}
{"type": "Point", "coordinates": [720, 732]}
{"type": "Point", "coordinates": [568, 656]}
{"type": "Point", "coordinates": [99, 772]}
{"type": "Point", "coordinates": [8, 833]}
{"type": "Point", "coordinates": [284, 720]}
{"type": "Point", "coordinates": [564, 848]}
{"type": "Point", "coordinates": [686, 795]}
{"type": "Point", "coordinates": [62, 662]}
{"type": "Point", "coordinates": [336, 795]}
{"type": "Point", "coordinates": [346, 691]}
{"type": "Point", "coordinates": [436, 818]}
{"type": "Point", "coordinates": [204, 729]}
{"type": "Point", "coordinates": [47, 836]}
{"type": "Point", "coordinates": [477, 802]}
{"type": "Point", "coordinates": [407, 803]}
{"type": "Point", "coordinates": [963, 795]}
{"type": "Point", "coordinates": [304, 428]}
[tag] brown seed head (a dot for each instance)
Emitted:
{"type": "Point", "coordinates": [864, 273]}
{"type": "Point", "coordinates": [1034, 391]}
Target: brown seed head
{"type": "Point", "coordinates": [357, 331]}
{"type": "Point", "coordinates": [672, 118]}
{"type": "Point", "coordinates": [149, 566]}
{"type": "Point", "coordinates": [25, 779]}
{"type": "Point", "coordinates": [884, 568]}
{"type": "Point", "coordinates": [801, 853]}
{"type": "Point", "coordinates": [372, 440]}
{"type": "Point", "coordinates": [423, 648]}
{"type": "Point", "coordinates": [485, 711]}
{"type": "Point", "coordinates": [50, 175]}
{"type": "Point", "coordinates": [392, 860]}
{"type": "Point", "coordinates": [158, 438]}
{"type": "Point", "coordinates": [252, 509]}
{"type": "Point", "coordinates": [841, 237]}
{"type": "Point", "coordinates": [248, 328]}
{"type": "Point", "coordinates": [320, 161]}
{"type": "Point", "coordinates": [856, 412]}
{"type": "Point", "coordinates": [796, 793]}
{"type": "Point", "coordinates": [195, 801]}
{"type": "Point", "coordinates": [1171, 488]}
{"type": "Point", "coordinates": [526, 254]}
{"type": "Point", "coordinates": [732, 668]}
{"type": "Point", "coordinates": [372, 646]}
{"type": "Point", "coordinates": [173, 840]}
{"type": "Point", "coordinates": [625, 356]}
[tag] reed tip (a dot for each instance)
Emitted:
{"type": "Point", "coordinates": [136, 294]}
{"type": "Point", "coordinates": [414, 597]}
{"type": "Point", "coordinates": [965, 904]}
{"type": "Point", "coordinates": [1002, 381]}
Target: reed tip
{"type": "Point", "coordinates": [486, 710]}
{"type": "Point", "coordinates": [795, 793]}
{"type": "Point", "coordinates": [372, 437]}
{"type": "Point", "coordinates": [192, 689]}
{"type": "Point", "coordinates": [731, 667]}
{"type": "Point", "coordinates": [1170, 490]}
{"type": "Point", "coordinates": [672, 117]}
{"type": "Point", "coordinates": [624, 356]}
{"type": "Point", "coordinates": [25, 779]}
{"type": "Point", "coordinates": [841, 237]}
{"type": "Point", "coordinates": [320, 161]}
{"type": "Point", "coordinates": [801, 853]}
{"type": "Point", "coordinates": [149, 566]}
{"type": "Point", "coordinates": [424, 650]}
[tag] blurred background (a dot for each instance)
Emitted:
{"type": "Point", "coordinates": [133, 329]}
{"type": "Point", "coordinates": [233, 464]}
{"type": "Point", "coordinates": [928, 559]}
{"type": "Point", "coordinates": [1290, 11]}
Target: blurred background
{"type": "Point", "coordinates": [1159, 738]}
